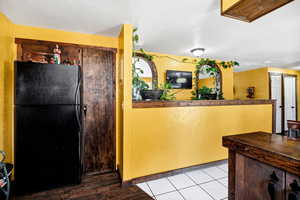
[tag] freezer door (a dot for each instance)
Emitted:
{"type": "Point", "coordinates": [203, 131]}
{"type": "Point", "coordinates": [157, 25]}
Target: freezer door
{"type": "Point", "coordinates": [44, 84]}
{"type": "Point", "coordinates": [47, 147]}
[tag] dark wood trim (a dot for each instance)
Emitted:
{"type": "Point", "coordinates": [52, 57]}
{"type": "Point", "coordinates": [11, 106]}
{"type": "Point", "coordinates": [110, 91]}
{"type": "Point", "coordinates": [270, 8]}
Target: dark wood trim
{"type": "Point", "coordinates": [274, 117]}
{"type": "Point", "coordinates": [168, 173]}
{"type": "Point", "coordinates": [223, 13]}
{"type": "Point", "coordinates": [114, 114]}
{"type": "Point", "coordinates": [152, 66]}
{"type": "Point", "coordinates": [265, 147]}
{"type": "Point", "coordinates": [42, 42]}
{"type": "Point", "coordinates": [187, 103]}
{"type": "Point", "coordinates": [231, 175]}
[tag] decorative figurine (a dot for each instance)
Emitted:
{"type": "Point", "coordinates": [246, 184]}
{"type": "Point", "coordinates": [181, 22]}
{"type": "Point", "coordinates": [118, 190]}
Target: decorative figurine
{"type": "Point", "coordinates": [52, 61]}
{"type": "Point", "coordinates": [251, 92]}
{"type": "Point", "coordinates": [57, 53]}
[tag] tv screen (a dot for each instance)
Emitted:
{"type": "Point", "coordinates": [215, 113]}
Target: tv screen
{"type": "Point", "coordinates": [179, 79]}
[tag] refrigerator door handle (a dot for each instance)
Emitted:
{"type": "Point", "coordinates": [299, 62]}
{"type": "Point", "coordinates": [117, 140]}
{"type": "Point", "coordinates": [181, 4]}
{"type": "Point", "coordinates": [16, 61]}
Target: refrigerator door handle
{"type": "Point", "coordinates": [85, 109]}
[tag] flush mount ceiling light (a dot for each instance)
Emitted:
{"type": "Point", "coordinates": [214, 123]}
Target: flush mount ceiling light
{"type": "Point", "coordinates": [268, 62]}
{"type": "Point", "coordinates": [198, 52]}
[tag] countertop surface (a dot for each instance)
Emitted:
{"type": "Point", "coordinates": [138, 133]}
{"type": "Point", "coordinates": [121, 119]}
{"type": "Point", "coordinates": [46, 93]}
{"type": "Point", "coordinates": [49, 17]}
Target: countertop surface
{"type": "Point", "coordinates": [187, 103]}
{"type": "Point", "coordinates": [272, 143]}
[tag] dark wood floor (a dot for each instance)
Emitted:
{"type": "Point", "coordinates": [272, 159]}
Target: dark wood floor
{"type": "Point", "coordinates": [93, 187]}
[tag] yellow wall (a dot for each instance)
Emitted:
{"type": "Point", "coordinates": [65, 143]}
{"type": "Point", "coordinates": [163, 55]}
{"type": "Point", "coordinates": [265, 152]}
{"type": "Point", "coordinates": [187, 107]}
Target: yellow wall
{"type": "Point", "coordinates": [126, 84]}
{"type": "Point", "coordinates": [164, 63]}
{"type": "Point", "coordinates": [164, 139]}
{"type": "Point", "coordinates": [37, 33]}
{"type": "Point", "coordinates": [6, 58]}
{"type": "Point", "coordinates": [208, 82]}
{"type": "Point", "coordinates": [257, 78]}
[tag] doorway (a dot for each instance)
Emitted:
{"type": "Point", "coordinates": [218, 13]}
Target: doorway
{"type": "Point", "coordinates": [283, 88]}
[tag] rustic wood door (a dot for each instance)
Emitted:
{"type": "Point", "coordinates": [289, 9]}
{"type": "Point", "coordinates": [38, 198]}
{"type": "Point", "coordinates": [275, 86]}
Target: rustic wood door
{"type": "Point", "coordinates": [255, 180]}
{"type": "Point", "coordinates": [99, 98]}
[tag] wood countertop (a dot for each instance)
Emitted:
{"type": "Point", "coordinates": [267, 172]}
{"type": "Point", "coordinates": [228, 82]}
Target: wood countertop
{"type": "Point", "coordinates": [272, 149]}
{"type": "Point", "coordinates": [187, 103]}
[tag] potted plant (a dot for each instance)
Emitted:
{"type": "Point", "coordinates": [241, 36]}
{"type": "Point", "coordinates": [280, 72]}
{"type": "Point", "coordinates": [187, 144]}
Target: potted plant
{"type": "Point", "coordinates": [206, 93]}
{"type": "Point", "coordinates": [167, 94]}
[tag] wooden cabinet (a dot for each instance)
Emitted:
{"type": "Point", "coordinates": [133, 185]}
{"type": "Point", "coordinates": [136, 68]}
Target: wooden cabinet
{"type": "Point", "coordinates": [292, 187]}
{"type": "Point", "coordinates": [250, 10]}
{"type": "Point", "coordinates": [263, 166]}
{"type": "Point", "coordinates": [255, 180]}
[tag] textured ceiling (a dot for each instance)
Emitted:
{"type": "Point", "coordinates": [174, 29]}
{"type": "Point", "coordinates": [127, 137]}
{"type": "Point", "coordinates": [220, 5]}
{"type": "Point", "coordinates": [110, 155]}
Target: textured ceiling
{"type": "Point", "coordinates": [175, 27]}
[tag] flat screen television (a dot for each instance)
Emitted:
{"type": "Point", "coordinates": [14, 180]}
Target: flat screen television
{"type": "Point", "coordinates": [179, 79]}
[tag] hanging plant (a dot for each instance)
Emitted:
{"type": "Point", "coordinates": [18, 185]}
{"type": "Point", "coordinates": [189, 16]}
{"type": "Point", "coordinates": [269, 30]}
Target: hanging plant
{"type": "Point", "coordinates": [211, 69]}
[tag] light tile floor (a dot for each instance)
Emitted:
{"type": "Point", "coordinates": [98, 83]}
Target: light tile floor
{"type": "Point", "coordinates": [208, 182]}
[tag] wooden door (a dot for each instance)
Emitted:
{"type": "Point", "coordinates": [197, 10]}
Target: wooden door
{"type": "Point", "coordinates": [292, 187]}
{"type": "Point", "coordinates": [99, 97]}
{"type": "Point", "coordinates": [276, 93]}
{"type": "Point", "coordinates": [254, 180]}
{"type": "Point", "coordinates": [289, 99]}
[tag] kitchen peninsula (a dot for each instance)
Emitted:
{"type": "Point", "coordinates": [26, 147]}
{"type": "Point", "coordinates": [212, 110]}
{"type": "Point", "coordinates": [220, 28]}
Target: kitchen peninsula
{"type": "Point", "coordinates": [263, 166]}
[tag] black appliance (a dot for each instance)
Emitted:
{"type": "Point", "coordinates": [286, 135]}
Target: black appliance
{"type": "Point", "coordinates": [48, 126]}
{"type": "Point", "coordinates": [179, 79]}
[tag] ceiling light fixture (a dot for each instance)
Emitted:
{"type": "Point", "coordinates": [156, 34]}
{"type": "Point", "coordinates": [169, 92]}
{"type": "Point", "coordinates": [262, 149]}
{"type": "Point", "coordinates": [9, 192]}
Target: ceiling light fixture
{"type": "Point", "coordinates": [268, 62]}
{"type": "Point", "coordinates": [198, 52]}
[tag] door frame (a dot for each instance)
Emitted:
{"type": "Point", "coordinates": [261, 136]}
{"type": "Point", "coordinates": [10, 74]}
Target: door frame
{"type": "Point", "coordinates": [296, 93]}
{"type": "Point", "coordinates": [282, 96]}
{"type": "Point", "coordinates": [283, 75]}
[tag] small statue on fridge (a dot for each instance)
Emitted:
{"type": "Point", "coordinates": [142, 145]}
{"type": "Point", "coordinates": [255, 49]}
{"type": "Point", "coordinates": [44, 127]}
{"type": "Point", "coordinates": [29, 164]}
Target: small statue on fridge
{"type": "Point", "coordinates": [57, 53]}
{"type": "Point", "coordinates": [52, 60]}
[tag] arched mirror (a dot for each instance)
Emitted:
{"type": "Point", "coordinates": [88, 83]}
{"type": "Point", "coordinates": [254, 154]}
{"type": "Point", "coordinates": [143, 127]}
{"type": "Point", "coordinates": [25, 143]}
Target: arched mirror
{"type": "Point", "coordinates": [146, 70]}
{"type": "Point", "coordinates": [209, 82]}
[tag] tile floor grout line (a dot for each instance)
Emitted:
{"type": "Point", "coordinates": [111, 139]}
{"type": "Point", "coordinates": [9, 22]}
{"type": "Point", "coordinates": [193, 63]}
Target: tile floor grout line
{"type": "Point", "coordinates": [207, 192]}
{"type": "Point", "coordinates": [201, 187]}
{"type": "Point", "coordinates": [175, 188]}
{"type": "Point", "coordinates": [214, 179]}
{"type": "Point", "coordinates": [196, 184]}
{"type": "Point", "coordinates": [150, 189]}
{"type": "Point", "coordinates": [222, 169]}
{"type": "Point", "coordinates": [221, 182]}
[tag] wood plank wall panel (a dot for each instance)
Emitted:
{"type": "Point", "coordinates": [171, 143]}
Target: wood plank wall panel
{"type": "Point", "coordinates": [99, 88]}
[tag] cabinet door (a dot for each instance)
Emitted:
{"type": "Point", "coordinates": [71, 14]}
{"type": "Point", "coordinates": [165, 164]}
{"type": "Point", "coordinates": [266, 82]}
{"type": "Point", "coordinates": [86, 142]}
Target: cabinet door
{"type": "Point", "coordinates": [255, 180]}
{"type": "Point", "coordinates": [292, 187]}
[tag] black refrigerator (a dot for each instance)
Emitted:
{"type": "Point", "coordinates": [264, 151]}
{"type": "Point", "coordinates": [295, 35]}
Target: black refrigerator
{"type": "Point", "coordinates": [48, 126]}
